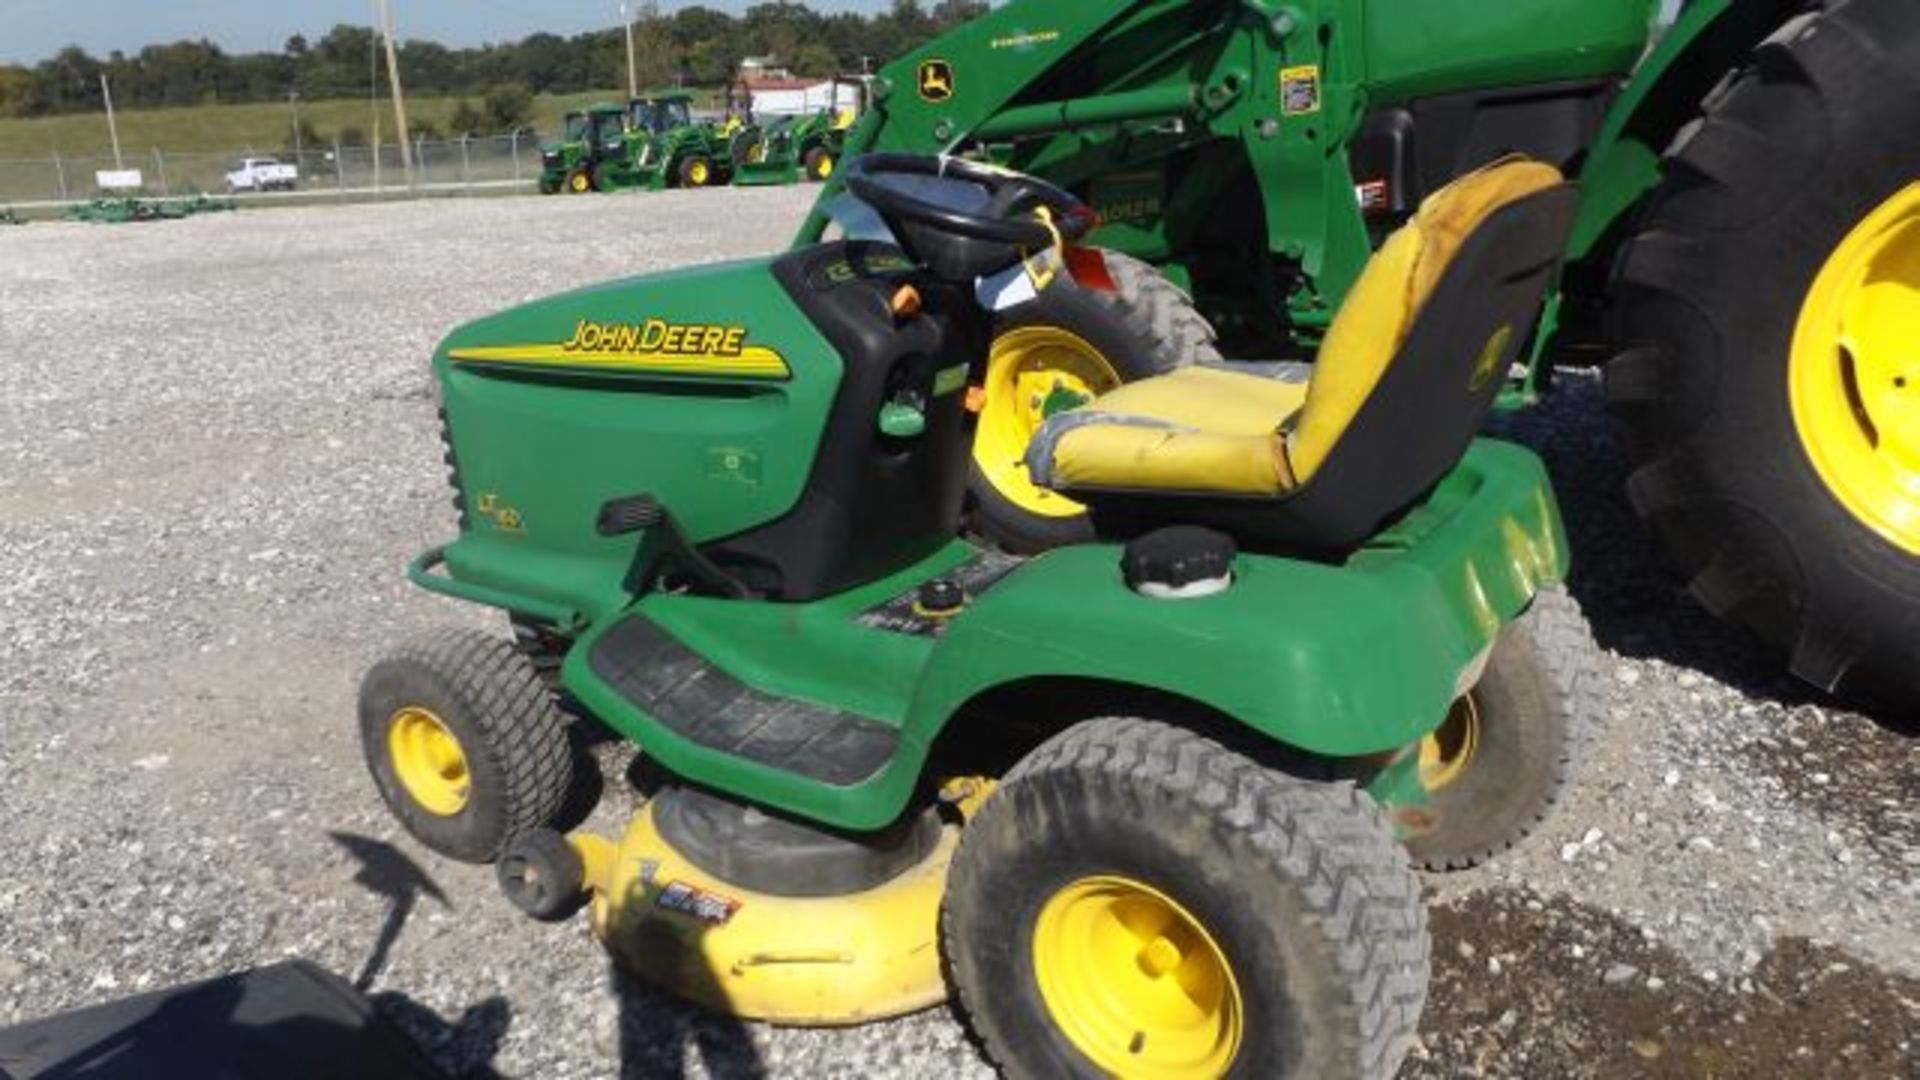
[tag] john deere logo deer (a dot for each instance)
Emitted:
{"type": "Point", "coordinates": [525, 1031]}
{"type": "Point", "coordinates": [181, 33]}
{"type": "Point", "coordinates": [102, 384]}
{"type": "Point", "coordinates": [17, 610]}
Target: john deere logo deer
{"type": "Point", "coordinates": [655, 346]}
{"type": "Point", "coordinates": [936, 80]}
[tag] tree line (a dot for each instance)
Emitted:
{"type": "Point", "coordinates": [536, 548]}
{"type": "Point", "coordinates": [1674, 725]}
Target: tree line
{"type": "Point", "coordinates": [695, 46]}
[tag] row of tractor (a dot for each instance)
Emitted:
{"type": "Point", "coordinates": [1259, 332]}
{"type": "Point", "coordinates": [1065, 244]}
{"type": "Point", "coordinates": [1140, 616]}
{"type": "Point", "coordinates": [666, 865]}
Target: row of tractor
{"type": "Point", "coordinates": [654, 142]}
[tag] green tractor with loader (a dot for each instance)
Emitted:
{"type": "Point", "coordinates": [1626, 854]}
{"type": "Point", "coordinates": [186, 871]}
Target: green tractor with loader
{"type": "Point", "coordinates": [808, 145]}
{"type": "Point", "coordinates": [1148, 802]}
{"type": "Point", "coordinates": [1745, 263]}
{"type": "Point", "coordinates": [676, 150]}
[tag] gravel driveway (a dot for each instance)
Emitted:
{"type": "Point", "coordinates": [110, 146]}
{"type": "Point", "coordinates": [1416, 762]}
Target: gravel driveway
{"type": "Point", "coordinates": [217, 451]}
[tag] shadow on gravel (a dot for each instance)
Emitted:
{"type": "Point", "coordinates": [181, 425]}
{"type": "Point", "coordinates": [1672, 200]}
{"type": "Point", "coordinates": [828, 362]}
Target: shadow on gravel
{"type": "Point", "coordinates": [464, 1047]}
{"type": "Point", "coordinates": [1529, 988]}
{"type": "Point", "coordinates": [1637, 607]}
{"type": "Point", "coordinates": [661, 1036]}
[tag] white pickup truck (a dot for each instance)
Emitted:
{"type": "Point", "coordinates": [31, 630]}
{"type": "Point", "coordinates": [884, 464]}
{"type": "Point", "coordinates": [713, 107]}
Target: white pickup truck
{"type": "Point", "coordinates": [261, 174]}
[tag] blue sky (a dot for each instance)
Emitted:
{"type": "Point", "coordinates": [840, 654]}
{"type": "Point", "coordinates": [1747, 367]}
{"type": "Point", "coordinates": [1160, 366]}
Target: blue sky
{"type": "Point", "coordinates": [35, 29]}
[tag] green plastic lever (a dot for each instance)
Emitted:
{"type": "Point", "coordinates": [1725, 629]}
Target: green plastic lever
{"type": "Point", "coordinates": [901, 420]}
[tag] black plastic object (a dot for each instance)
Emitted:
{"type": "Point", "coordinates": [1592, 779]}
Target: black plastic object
{"type": "Point", "coordinates": [542, 874]}
{"type": "Point", "coordinates": [1415, 426]}
{"type": "Point", "coordinates": [873, 503]}
{"type": "Point", "coordinates": [290, 1021]}
{"type": "Point", "coordinates": [779, 856]}
{"type": "Point", "coordinates": [1178, 557]}
{"type": "Point", "coordinates": [666, 551]}
{"type": "Point", "coordinates": [644, 664]}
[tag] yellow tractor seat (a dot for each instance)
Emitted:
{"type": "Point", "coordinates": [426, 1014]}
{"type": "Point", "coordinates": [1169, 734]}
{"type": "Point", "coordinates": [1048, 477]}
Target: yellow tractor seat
{"type": "Point", "coordinates": [1403, 381]}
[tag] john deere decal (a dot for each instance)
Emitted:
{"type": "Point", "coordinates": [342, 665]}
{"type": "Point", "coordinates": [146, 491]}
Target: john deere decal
{"type": "Point", "coordinates": [936, 80]}
{"type": "Point", "coordinates": [651, 346]}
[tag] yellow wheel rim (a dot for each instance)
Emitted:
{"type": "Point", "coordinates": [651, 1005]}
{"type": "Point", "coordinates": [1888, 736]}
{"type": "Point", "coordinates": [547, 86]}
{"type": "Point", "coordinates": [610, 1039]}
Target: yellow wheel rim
{"type": "Point", "coordinates": [1449, 749]}
{"type": "Point", "coordinates": [428, 760]}
{"type": "Point", "coordinates": [1135, 982]}
{"type": "Point", "coordinates": [581, 184]}
{"type": "Point", "coordinates": [1032, 373]}
{"type": "Point", "coordinates": [825, 167]}
{"type": "Point", "coordinates": [698, 174]}
{"type": "Point", "coordinates": [1855, 371]}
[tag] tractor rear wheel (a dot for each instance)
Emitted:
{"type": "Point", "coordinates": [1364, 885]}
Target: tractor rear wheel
{"type": "Point", "coordinates": [465, 742]}
{"type": "Point", "coordinates": [1079, 339]}
{"type": "Point", "coordinates": [1766, 377]}
{"type": "Point", "coordinates": [1136, 900]}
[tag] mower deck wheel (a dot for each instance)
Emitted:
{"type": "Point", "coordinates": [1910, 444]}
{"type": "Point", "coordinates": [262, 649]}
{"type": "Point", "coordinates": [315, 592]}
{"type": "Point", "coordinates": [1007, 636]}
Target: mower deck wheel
{"type": "Point", "coordinates": [1137, 900]}
{"type": "Point", "coordinates": [543, 875]}
{"type": "Point", "coordinates": [464, 742]}
{"type": "Point", "coordinates": [1497, 767]}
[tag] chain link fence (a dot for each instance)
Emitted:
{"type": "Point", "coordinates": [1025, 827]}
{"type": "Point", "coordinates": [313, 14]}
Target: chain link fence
{"type": "Point", "coordinates": [439, 166]}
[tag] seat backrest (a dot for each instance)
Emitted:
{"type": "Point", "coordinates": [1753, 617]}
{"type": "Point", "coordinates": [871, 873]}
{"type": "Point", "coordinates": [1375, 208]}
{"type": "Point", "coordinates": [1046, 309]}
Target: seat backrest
{"type": "Point", "coordinates": [1370, 331]}
{"type": "Point", "coordinates": [1387, 420]}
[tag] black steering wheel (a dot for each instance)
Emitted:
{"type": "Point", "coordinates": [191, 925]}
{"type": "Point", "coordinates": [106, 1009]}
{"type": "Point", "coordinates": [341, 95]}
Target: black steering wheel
{"type": "Point", "coordinates": [1011, 200]}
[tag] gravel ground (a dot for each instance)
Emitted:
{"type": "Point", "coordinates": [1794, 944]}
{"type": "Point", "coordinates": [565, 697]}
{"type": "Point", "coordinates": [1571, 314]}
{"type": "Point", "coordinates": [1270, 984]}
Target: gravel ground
{"type": "Point", "coordinates": [218, 450]}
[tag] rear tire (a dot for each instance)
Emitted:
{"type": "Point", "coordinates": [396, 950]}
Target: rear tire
{"type": "Point", "coordinates": [1143, 326]}
{"type": "Point", "coordinates": [1791, 156]}
{"type": "Point", "coordinates": [1514, 743]}
{"type": "Point", "coordinates": [464, 742]}
{"type": "Point", "coordinates": [1294, 890]}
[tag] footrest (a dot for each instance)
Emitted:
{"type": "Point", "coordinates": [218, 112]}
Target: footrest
{"type": "Point", "coordinates": [650, 668]}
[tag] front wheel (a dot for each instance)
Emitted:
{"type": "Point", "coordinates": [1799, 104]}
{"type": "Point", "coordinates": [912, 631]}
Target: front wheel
{"type": "Point", "coordinates": [820, 164]}
{"type": "Point", "coordinates": [464, 742]}
{"type": "Point", "coordinates": [696, 172]}
{"type": "Point", "coordinates": [579, 181]}
{"type": "Point", "coordinates": [1075, 341]}
{"type": "Point", "coordinates": [1136, 900]}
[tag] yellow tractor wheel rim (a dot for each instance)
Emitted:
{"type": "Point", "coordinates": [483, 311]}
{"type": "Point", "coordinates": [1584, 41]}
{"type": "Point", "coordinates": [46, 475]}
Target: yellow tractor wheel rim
{"type": "Point", "coordinates": [581, 183]}
{"type": "Point", "coordinates": [1448, 751]}
{"type": "Point", "coordinates": [1135, 982]}
{"type": "Point", "coordinates": [1031, 373]}
{"type": "Point", "coordinates": [824, 167]}
{"type": "Point", "coordinates": [429, 761]}
{"type": "Point", "coordinates": [698, 174]}
{"type": "Point", "coordinates": [1855, 372]}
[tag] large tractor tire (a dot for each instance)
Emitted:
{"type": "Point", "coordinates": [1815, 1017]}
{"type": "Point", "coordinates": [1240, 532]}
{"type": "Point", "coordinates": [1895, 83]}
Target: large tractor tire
{"type": "Point", "coordinates": [1077, 340]}
{"type": "Point", "coordinates": [1137, 900]}
{"type": "Point", "coordinates": [1766, 319]}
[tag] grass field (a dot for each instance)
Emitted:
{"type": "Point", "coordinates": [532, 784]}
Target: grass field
{"type": "Point", "coordinates": [236, 129]}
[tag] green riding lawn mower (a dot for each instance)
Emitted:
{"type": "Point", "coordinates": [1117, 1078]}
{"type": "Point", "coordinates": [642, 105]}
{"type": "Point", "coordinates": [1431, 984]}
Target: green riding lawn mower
{"type": "Point", "coordinates": [1149, 802]}
{"type": "Point", "coordinates": [1745, 261]}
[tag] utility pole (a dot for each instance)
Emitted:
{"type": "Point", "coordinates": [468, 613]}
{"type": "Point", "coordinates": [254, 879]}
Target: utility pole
{"type": "Point", "coordinates": [633, 78]}
{"type": "Point", "coordinates": [399, 98]}
{"type": "Point", "coordinates": [293, 99]}
{"type": "Point", "coordinates": [113, 129]}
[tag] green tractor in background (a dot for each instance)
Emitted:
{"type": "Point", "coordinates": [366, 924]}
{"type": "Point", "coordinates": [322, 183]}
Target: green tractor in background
{"type": "Point", "coordinates": [592, 155]}
{"type": "Point", "coordinates": [675, 150]}
{"type": "Point", "coordinates": [808, 145]}
{"type": "Point", "coordinates": [1746, 261]}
